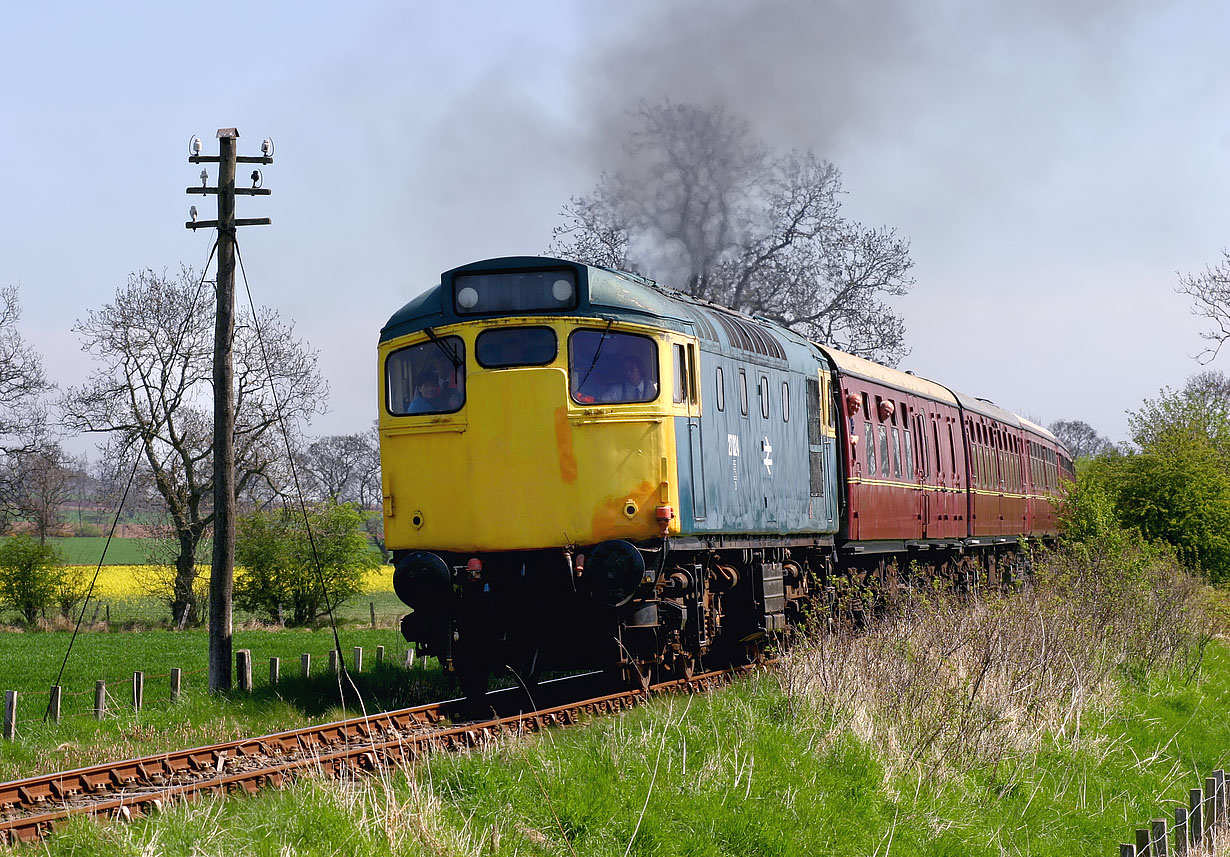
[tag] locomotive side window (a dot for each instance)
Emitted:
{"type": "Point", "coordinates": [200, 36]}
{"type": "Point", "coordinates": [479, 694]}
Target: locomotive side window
{"type": "Point", "coordinates": [763, 389]}
{"type": "Point", "coordinates": [721, 389]}
{"type": "Point", "coordinates": [428, 378]}
{"type": "Point", "coordinates": [743, 392]}
{"type": "Point", "coordinates": [514, 291]}
{"type": "Point", "coordinates": [503, 347]}
{"type": "Point", "coordinates": [681, 376]}
{"type": "Point", "coordinates": [619, 368]}
{"type": "Point", "coordinates": [785, 401]}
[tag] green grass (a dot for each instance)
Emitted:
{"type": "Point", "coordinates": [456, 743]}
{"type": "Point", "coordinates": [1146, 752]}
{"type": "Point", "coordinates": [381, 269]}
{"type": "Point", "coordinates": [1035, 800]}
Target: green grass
{"type": "Point", "coordinates": [87, 550]}
{"type": "Point", "coordinates": [732, 773]}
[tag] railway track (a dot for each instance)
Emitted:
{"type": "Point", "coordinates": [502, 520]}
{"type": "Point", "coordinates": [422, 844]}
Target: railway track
{"type": "Point", "coordinates": [31, 808]}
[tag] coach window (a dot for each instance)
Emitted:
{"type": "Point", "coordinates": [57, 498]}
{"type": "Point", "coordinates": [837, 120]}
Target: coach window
{"type": "Point", "coordinates": [785, 401]}
{"type": "Point", "coordinates": [743, 392]}
{"type": "Point", "coordinates": [428, 378]}
{"type": "Point", "coordinates": [620, 368]}
{"type": "Point", "coordinates": [871, 449]}
{"type": "Point", "coordinates": [504, 347]}
{"type": "Point", "coordinates": [883, 451]}
{"type": "Point", "coordinates": [721, 389]}
{"type": "Point", "coordinates": [896, 452]}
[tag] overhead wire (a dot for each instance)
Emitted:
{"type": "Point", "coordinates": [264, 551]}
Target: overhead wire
{"type": "Point", "coordinates": [342, 672]}
{"type": "Point", "coordinates": [132, 475]}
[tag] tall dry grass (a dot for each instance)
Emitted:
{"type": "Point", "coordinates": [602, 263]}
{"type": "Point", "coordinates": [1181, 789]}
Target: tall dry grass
{"type": "Point", "coordinates": [945, 685]}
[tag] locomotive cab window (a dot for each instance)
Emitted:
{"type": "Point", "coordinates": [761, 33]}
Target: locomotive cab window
{"type": "Point", "coordinates": [428, 378]}
{"type": "Point", "coordinates": [743, 392]}
{"type": "Point", "coordinates": [618, 368]}
{"type": "Point", "coordinates": [505, 347]}
{"type": "Point", "coordinates": [721, 389]}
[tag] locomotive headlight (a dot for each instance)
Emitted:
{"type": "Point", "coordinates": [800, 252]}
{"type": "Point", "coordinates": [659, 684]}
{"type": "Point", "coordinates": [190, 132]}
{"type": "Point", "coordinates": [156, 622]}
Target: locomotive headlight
{"type": "Point", "coordinates": [561, 290]}
{"type": "Point", "coordinates": [467, 298]}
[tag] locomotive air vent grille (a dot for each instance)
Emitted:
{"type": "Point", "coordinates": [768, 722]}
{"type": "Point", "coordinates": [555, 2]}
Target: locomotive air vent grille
{"type": "Point", "coordinates": [749, 336]}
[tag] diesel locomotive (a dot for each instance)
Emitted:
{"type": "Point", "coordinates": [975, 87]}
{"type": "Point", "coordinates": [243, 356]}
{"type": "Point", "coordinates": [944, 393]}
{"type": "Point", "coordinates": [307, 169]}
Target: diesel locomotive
{"type": "Point", "coordinates": [583, 469]}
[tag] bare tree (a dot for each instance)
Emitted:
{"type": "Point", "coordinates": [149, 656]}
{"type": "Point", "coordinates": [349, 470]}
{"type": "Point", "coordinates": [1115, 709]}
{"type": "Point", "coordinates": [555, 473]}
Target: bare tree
{"type": "Point", "coordinates": [1081, 439]}
{"type": "Point", "coordinates": [152, 395]}
{"type": "Point", "coordinates": [1210, 294]}
{"type": "Point", "coordinates": [44, 480]}
{"type": "Point", "coordinates": [23, 415]}
{"type": "Point", "coordinates": [703, 206]}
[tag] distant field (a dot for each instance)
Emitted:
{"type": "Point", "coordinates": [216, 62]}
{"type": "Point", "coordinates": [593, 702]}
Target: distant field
{"type": "Point", "coordinates": [119, 592]}
{"type": "Point", "coordinates": [89, 550]}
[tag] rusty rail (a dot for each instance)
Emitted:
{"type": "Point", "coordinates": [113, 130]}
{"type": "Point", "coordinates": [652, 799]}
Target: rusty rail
{"type": "Point", "coordinates": [34, 806]}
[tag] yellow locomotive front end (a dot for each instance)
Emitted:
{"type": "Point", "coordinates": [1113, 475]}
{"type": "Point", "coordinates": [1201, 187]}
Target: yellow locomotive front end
{"type": "Point", "coordinates": [529, 468]}
{"type": "Point", "coordinates": [523, 441]}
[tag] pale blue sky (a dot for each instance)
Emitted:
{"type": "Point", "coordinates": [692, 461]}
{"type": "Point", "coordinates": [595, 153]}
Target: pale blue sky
{"type": "Point", "coordinates": [1054, 163]}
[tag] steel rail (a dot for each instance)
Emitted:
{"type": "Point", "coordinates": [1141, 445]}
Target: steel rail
{"type": "Point", "coordinates": [137, 787]}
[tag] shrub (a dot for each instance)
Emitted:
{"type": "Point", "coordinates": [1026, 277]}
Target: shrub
{"type": "Point", "coordinates": [280, 569]}
{"type": "Point", "coordinates": [33, 578]}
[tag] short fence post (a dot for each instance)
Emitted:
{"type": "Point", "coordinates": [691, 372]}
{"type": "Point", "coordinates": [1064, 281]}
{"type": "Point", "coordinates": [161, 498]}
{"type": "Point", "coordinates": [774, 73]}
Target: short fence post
{"type": "Point", "coordinates": [358, 659]}
{"type": "Point", "coordinates": [1210, 807]}
{"type": "Point", "coordinates": [108, 617]}
{"type": "Point", "coordinates": [10, 714]}
{"type": "Point", "coordinates": [94, 618]}
{"type": "Point", "coordinates": [372, 604]}
{"type": "Point", "coordinates": [380, 654]}
{"type": "Point", "coordinates": [333, 660]}
{"type": "Point", "coordinates": [1142, 842]}
{"type": "Point", "coordinates": [275, 669]}
{"type": "Point", "coordinates": [1220, 778]}
{"type": "Point", "coordinates": [100, 699]}
{"type": "Point", "coordinates": [53, 704]}
{"type": "Point", "coordinates": [1195, 825]}
{"type": "Point", "coordinates": [1180, 830]}
{"type": "Point", "coordinates": [243, 666]}
{"type": "Point", "coordinates": [409, 658]}
{"type": "Point", "coordinates": [1127, 850]}
{"type": "Point", "coordinates": [305, 664]}
{"type": "Point", "coordinates": [177, 683]}
{"type": "Point", "coordinates": [1157, 842]}
{"type": "Point", "coordinates": [138, 690]}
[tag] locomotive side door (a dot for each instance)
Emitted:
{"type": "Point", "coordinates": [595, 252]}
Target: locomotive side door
{"type": "Point", "coordinates": [686, 392]}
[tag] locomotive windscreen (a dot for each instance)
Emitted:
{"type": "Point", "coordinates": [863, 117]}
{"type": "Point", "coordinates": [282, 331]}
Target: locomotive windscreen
{"type": "Point", "coordinates": [516, 291]}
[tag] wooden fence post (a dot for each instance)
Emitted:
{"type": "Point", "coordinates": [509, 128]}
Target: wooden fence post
{"type": "Point", "coordinates": [1157, 841]}
{"type": "Point", "coordinates": [333, 660]}
{"type": "Point", "coordinates": [1220, 778]}
{"type": "Point", "coordinates": [1127, 850]}
{"type": "Point", "coordinates": [358, 659]}
{"type": "Point", "coordinates": [1180, 830]}
{"type": "Point", "coordinates": [305, 664]}
{"type": "Point", "coordinates": [138, 690]}
{"type": "Point", "coordinates": [100, 699]}
{"type": "Point", "coordinates": [10, 714]}
{"type": "Point", "coordinates": [1142, 842]}
{"type": "Point", "coordinates": [177, 683]}
{"type": "Point", "coordinates": [380, 654]}
{"type": "Point", "coordinates": [409, 658]}
{"type": "Point", "coordinates": [275, 669]}
{"type": "Point", "coordinates": [53, 704]}
{"type": "Point", "coordinates": [372, 604]}
{"type": "Point", "coordinates": [108, 617]}
{"type": "Point", "coordinates": [243, 666]}
{"type": "Point", "coordinates": [1210, 807]}
{"type": "Point", "coordinates": [1195, 825]}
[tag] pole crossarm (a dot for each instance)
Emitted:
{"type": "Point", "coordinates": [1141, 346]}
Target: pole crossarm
{"type": "Point", "coordinates": [239, 191]}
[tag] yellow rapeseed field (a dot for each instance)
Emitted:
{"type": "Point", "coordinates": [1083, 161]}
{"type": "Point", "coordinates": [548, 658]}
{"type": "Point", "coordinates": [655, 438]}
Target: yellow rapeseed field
{"type": "Point", "coordinates": [125, 581]}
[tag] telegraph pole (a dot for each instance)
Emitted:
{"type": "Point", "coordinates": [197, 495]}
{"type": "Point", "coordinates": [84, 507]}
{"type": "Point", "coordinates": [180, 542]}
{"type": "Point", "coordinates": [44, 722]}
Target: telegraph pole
{"type": "Point", "coordinates": [222, 571]}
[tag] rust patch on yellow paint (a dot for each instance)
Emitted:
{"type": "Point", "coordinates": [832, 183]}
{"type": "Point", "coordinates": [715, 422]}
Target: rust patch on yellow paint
{"type": "Point", "coordinates": [563, 444]}
{"type": "Point", "coordinates": [609, 520]}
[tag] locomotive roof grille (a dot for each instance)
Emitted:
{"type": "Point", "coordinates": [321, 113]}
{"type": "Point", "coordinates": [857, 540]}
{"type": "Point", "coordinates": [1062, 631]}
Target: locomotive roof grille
{"type": "Point", "coordinates": [748, 336]}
